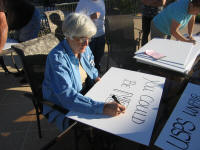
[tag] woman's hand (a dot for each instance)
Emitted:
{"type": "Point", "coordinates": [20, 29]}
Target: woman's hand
{"type": "Point", "coordinates": [191, 40]}
{"type": "Point", "coordinates": [113, 109]}
{"type": "Point", "coordinates": [95, 15]}
{"type": "Point", "coordinates": [97, 79]}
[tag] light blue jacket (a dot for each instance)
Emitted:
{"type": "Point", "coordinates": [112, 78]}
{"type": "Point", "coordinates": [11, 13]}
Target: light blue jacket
{"type": "Point", "coordinates": [62, 83]}
{"type": "Point", "coordinates": [177, 11]}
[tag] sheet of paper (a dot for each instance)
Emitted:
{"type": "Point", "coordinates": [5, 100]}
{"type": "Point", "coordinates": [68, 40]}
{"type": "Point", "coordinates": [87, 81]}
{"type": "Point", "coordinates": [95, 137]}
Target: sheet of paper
{"type": "Point", "coordinates": [195, 49]}
{"type": "Point", "coordinates": [140, 93]}
{"type": "Point", "coordinates": [182, 130]}
{"type": "Point", "coordinates": [154, 54]}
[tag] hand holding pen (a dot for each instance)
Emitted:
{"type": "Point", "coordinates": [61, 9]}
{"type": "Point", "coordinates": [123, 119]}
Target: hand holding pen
{"type": "Point", "coordinates": [113, 108]}
{"type": "Point", "coordinates": [115, 99]}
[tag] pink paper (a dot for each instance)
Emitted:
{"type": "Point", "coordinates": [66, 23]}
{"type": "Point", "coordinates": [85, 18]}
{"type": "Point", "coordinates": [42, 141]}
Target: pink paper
{"type": "Point", "coordinates": [154, 54]}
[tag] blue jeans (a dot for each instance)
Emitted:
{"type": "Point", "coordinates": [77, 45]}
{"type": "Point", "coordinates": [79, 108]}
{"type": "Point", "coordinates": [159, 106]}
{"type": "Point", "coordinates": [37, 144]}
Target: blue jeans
{"type": "Point", "coordinates": [97, 46]}
{"type": "Point", "coordinates": [30, 30]}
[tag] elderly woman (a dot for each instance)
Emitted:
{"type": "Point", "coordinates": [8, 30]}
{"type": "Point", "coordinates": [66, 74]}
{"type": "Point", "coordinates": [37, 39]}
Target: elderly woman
{"type": "Point", "coordinates": [174, 17]}
{"type": "Point", "coordinates": [69, 69]}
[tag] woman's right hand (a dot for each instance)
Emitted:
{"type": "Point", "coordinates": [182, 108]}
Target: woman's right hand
{"type": "Point", "coordinates": [113, 109]}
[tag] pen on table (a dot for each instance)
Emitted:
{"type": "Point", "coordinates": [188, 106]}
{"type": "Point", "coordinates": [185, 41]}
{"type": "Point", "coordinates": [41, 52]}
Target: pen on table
{"type": "Point", "coordinates": [115, 99]}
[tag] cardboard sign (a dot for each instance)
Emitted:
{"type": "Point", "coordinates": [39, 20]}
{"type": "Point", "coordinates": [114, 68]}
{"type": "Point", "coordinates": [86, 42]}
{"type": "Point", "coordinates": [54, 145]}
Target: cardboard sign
{"type": "Point", "coordinates": [179, 56]}
{"type": "Point", "coordinates": [140, 93]}
{"type": "Point", "coordinates": [182, 130]}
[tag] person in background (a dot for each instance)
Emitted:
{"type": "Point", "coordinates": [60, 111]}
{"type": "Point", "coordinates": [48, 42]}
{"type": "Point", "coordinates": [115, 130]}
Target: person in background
{"type": "Point", "coordinates": [175, 17]}
{"type": "Point", "coordinates": [151, 8]}
{"type": "Point", "coordinates": [95, 9]}
{"type": "Point", "coordinates": [20, 16]}
{"type": "Point", "coordinates": [70, 72]}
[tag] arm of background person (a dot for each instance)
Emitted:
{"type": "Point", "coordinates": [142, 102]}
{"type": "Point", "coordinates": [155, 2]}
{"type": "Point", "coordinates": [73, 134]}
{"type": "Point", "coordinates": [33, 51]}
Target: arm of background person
{"type": "Point", "coordinates": [3, 30]}
{"type": "Point", "coordinates": [95, 15]}
{"type": "Point", "coordinates": [175, 32]}
{"type": "Point", "coordinates": [190, 27]}
{"type": "Point", "coordinates": [154, 3]}
{"type": "Point", "coordinates": [81, 8]}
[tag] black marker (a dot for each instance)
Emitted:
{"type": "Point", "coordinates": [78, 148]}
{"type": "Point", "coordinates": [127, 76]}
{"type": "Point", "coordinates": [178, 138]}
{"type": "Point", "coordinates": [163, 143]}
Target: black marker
{"type": "Point", "coordinates": [115, 99]}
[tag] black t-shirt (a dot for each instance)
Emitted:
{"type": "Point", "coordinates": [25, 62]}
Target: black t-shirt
{"type": "Point", "coordinates": [18, 12]}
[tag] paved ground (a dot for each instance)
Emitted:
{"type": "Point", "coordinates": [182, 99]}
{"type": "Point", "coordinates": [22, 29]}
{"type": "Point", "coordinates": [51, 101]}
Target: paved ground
{"type": "Point", "coordinates": [18, 130]}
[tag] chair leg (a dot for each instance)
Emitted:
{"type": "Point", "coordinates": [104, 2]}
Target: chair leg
{"type": "Point", "coordinates": [108, 56]}
{"type": "Point", "coordinates": [3, 65]}
{"type": "Point", "coordinates": [139, 40]}
{"type": "Point", "coordinates": [6, 69]}
{"type": "Point", "coordinates": [76, 139]}
{"type": "Point", "coordinates": [13, 60]}
{"type": "Point", "coordinates": [37, 113]}
{"type": "Point", "coordinates": [38, 123]}
{"type": "Point", "coordinates": [108, 61]}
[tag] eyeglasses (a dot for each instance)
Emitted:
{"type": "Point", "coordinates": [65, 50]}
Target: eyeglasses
{"type": "Point", "coordinates": [82, 39]}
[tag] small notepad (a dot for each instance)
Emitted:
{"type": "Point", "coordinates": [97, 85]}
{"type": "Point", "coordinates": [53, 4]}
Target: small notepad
{"type": "Point", "coordinates": [154, 54]}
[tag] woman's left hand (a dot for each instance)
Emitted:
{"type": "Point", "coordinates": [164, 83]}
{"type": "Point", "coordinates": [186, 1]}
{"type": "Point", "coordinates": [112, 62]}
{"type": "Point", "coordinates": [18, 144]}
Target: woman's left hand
{"type": "Point", "coordinates": [191, 39]}
{"type": "Point", "coordinates": [97, 79]}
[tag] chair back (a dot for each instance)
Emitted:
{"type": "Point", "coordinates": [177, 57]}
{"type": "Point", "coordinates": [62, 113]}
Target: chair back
{"type": "Point", "coordinates": [55, 19]}
{"type": "Point", "coordinates": [33, 54]}
{"type": "Point", "coordinates": [120, 39]}
{"type": "Point", "coordinates": [35, 67]}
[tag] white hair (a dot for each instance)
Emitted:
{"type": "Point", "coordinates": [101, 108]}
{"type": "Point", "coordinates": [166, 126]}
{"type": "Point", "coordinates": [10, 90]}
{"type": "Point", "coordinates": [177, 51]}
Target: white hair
{"type": "Point", "coordinates": [78, 25]}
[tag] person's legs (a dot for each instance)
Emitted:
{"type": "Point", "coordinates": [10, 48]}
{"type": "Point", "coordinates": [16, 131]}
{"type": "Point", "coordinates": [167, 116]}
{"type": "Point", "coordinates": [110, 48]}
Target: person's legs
{"type": "Point", "coordinates": [97, 46]}
{"type": "Point", "coordinates": [30, 30]}
{"type": "Point", "coordinates": [155, 33]}
{"type": "Point", "coordinates": [146, 25]}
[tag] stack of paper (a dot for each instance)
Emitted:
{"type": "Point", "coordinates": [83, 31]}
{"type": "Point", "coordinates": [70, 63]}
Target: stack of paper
{"type": "Point", "coordinates": [179, 56]}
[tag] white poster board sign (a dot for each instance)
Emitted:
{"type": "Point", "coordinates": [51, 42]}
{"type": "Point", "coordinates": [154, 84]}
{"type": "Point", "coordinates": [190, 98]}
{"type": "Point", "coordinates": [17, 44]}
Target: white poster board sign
{"type": "Point", "coordinates": [182, 130]}
{"type": "Point", "coordinates": [179, 56]}
{"type": "Point", "coordinates": [176, 52]}
{"type": "Point", "coordinates": [140, 93]}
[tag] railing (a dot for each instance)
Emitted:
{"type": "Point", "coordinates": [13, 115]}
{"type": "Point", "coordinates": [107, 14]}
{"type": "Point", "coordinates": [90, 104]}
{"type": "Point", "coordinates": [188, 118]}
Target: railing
{"type": "Point", "coordinates": [113, 7]}
{"type": "Point", "coordinates": [69, 7]}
